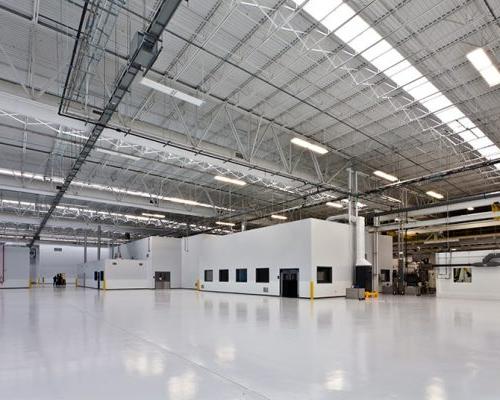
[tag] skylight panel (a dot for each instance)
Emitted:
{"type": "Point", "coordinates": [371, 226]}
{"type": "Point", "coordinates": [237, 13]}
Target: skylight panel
{"type": "Point", "coordinates": [319, 9]}
{"type": "Point", "coordinates": [407, 75]}
{"type": "Point", "coordinates": [377, 50]}
{"type": "Point", "coordinates": [450, 114]}
{"type": "Point", "coordinates": [387, 60]}
{"type": "Point", "coordinates": [341, 19]}
{"type": "Point", "coordinates": [437, 102]}
{"type": "Point", "coordinates": [456, 127]}
{"type": "Point", "coordinates": [466, 122]}
{"type": "Point", "coordinates": [339, 16]}
{"type": "Point", "coordinates": [467, 136]}
{"type": "Point", "coordinates": [399, 67]}
{"type": "Point", "coordinates": [366, 40]}
{"type": "Point", "coordinates": [421, 88]}
{"type": "Point", "coordinates": [481, 143]}
{"type": "Point", "coordinates": [491, 152]}
{"type": "Point", "coordinates": [478, 132]}
{"type": "Point", "coordinates": [351, 29]}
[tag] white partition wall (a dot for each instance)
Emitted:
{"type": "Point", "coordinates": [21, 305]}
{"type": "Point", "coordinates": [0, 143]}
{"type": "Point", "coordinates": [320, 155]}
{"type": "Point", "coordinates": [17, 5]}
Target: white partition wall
{"type": "Point", "coordinates": [321, 252]}
{"type": "Point", "coordinates": [304, 245]}
{"type": "Point", "coordinates": [53, 259]}
{"type": "Point", "coordinates": [283, 246]}
{"type": "Point", "coordinates": [484, 282]}
{"type": "Point", "coordinates": [331, 247]}
{"type": "Point", "coordinates": [118, 274]}
{"type": "Point", "coordinates": [16, 267]}
{"type": "Point", "coordinates": [163, 253]}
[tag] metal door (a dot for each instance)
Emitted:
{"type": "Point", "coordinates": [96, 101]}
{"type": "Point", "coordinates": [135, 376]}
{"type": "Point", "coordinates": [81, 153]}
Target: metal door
{"type": "Point", "coordinates": [289, 282]}
{"type": "Point", "coordinates": [162, 279]}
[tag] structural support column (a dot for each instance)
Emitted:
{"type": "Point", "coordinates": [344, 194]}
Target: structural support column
{"type": "Point", "coordinates": [98, 242]}
{"type": "Point", "coordinates": [85, 248]}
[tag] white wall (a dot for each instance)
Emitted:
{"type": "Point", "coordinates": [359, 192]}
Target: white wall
{"type": "Point", "coordinates": [276, 247]}
{"type": "Point", "coordinates": [16, 267]}
{"type": "Point", "coordinates": [164, 254]}
{"type": "Point", "coordinates": [118, 274]}
{"type": "Point", "coordinates": [485, 280]}
{"type": "Point", "coordinates": [50, 262]}
{"type": "Point", "coordinates": [85, 273]}
{"type": "Point", "coordinates": [128, 274]}
{"type": "Point", "coordinates": [331, 247]}
{"type": "Point", "coordinates": [137, 250]}
{"type": "Point", "coordinates": [304, 244]}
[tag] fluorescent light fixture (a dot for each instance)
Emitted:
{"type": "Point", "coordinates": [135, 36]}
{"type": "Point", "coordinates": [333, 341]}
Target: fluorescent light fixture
{"type": "Point", "coordinates": [280, 217]}
{"type": "Point", "coordinates": [75, 135]}
{"type": "Point", "coordinates": [310, 146]}
{"type": "Point", "coordinates": [470, 208]}
{"type": "Point", "coordinates": [334, 205]}
{"type": "Point", "coordinates": [154, 215]}
{"type": "Point", "coordinates": [480, 59]}
{"type": "Point", "coordinates": [115, 153]}
{"type": "Point", "coordinates": [171, 92]}
{"type": "Point", "coordinates": [225, 223]}
{"type": "Point", "coordinates": [107, 188]}
{"type": "Point", "coordinates": [434, 194]}
{"type": "Point", "coordinates": [230, 180]}
{"type": "Point", "coordinates": [359, 204]}
{"type": "Point", "coordinates": [393, 199]}
{"type": "Point", "coordinates": [453, 249]}
{"type": "Point", "coordinates": [338, 17]}
{"type": "Point", "coordinates": [451, 240]}
{"type": "Point", "coordinates": [386, 176]}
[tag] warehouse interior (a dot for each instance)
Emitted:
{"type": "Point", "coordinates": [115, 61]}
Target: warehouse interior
{"type": "Point", "coordinates": [249, 199]}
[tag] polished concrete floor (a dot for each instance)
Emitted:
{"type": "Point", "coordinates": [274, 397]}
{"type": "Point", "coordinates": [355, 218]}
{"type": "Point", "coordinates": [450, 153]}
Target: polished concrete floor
{"type": "Point", "coordinates": [81, 344]}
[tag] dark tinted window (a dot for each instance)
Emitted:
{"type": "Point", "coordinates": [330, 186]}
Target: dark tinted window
{"type": "Point", "coordinates": [209, 275]}
{"type": "Point", "coordinates": [324, 275]}
{"type": "Point", "coordinates": [241, 275]}
{"type": "Point", "coordinates": [262, 275]}
{"type": "Point", "coordinates": [223, 275]}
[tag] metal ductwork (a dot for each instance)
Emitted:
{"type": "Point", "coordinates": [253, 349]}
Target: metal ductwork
{"type": "Point", "coordinates": [491, 260]}
{"type": "Point", "coordinates": [361, 261]}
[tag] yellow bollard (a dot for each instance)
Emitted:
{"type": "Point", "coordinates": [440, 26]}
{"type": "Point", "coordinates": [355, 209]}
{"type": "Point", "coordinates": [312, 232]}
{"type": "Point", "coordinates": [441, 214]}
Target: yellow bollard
{"type": "Point", "coordinates": [311, 290]}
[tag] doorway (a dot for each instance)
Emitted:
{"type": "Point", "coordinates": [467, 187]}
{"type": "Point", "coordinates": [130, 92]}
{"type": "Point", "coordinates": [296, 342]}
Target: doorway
{"type": "Point", "coordinates": [162, 279]}
{"type": "Point", "coordinates": [289, 282]}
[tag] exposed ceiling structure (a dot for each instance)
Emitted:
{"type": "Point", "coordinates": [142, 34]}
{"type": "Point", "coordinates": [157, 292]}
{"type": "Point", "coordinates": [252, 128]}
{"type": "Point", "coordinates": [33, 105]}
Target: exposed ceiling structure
{"type": "Point", "coordinates": [205, 134]}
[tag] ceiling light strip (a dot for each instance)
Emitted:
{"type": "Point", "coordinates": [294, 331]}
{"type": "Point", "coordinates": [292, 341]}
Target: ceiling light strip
{"type": "Point", "coordinates": [171, 92]}
{"type": "Point", "coordinates": [232, 181]}
{"type": "Point", "coordinates": [310, 146]}
{"type": "Point", "coordinates": [107, 188]}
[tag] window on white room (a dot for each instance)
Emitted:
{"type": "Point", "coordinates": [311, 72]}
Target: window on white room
{"type": "Point", "coordinates": [385, 275]}
{"type": "Point", "coordinates": [462, 275]}
{"type": "Point", "coordinates": [262, 275]}
{"type": "Point", "coordinates": [241, 275]}
{"type": "Point", "coordinates": [209, 275]}
{"type": "Point", "coordinates": [324, 275]}
{"type": "Point", "coordinates": [223, 275]}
